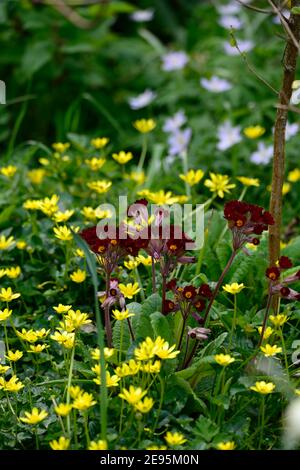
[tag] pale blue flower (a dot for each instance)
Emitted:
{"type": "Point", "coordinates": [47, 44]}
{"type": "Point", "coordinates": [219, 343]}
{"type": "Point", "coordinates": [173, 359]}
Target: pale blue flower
{"type": "Point", "coordinates": [263, 155]}
{"type": "Point", "coordinates": [243, 45]}
{"type": "Point", "coordinates": [228, 135]}
{"type": "Point", "coordinates": [179, 140]}
{"type": "Point", "coordinates": [215, 84]}
{"type": "Point", "coordinates": [229, 22]}
{"type": "Point", "coordinates": [173, 123]}
{"type": "Point", "coordinates": [230, 8]}
{"type": "Point", "coordinates": [174, 61]}
{"type": "Point", "coordinates": [285, 13]}
{"type": "Point", "coordinates": [142, 100]}
{"type": "Point", "coordinates": [141, 16]}
{"type": "Point", "coordinates": [291, 130]}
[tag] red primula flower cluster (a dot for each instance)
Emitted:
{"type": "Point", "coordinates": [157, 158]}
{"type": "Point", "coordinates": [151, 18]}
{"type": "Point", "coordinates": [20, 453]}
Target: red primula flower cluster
{"type": "Point", "coordinates": [188, 299]}
{"type": "Point", "coordinates": [280, 287]}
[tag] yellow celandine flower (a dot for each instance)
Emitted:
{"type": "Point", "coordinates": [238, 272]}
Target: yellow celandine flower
{"type": "Point", "coordinates": [28, 335]}
{"type": "Point", "coordinates": [278, 320]}
{"type": "Point", "coordinates": [219, 184]}
{"type": "Point", "coordinates": [174, 438]}
{"type": "Point", "coordinates": [233, 288]}
{"type": "Point", "coordinates": [228, 445]}
{"type": "Point", "coordinates": [60, 217]}
{"type": "Point", "coordinates": [131, 263]}
{"type": "Point", "coordinates": [62, 443]}
{"type": "Point", "coordinates": [78, 276]}
{"type": "Point", "coordinates": [151, 367]}
{"type": "Point", "coordinates": [63, 233]}
{"type": "Point", "coordinates": [14, 356]}
{"type": "Point", "coordinates": [77, 318]}
{"type": "Point", "coordinates": [98, 445]}
{"type": "Point", "coordinates": [44, 161]}
{"type": "Point", "coordinates": [254, 132]}
{"type": "Point", "coordinates": [269, 350]}
{"type": "Point", "coordinates": [34, 417]}
{"type": "Point", "coordinates": [37, 175]}
{"type": "Point", "coordinates": [126, 369]}
{"type": "Point", "coordinates": [286, 187]}
{"type": "Point", "coordinates": [224, 359]}
{"type": "Point", "coordinates": [21, 245]}
{"type": "Point", "coordinates": [248, 181]}
{"type": "Point", "coordinates": [49, 205]}
{"type": "Point", "coordinates": [99, 142]}
{"type": "Point", "coordinates": [144, 406]}
{"type": "Point", "coordinates": [62, 308]}
{"type": "Point", "coordinates": [7, 295]}
{"type": "Point", "coordinates": [60, 147]}
{"type": "Point", "coordinates": [263, 387]}
{"type": "Point", "coordinates": [267, 333]}
{"type": "Point", "coordinates": [75, 391]}
{"type": "Point", "coordinates": [192, 177]}
{"type": "Point", "coordinates": [6, 243]}
{"type": "Point", "coordinates": [108, 353]}
{"type": "Point", "coordinates": [156, 447]}
{"type": "Point", "coordinates": [37, 348]}
{"type": "Point", "coordinates": [12, 385]}
{"type": "Point", "coordinates": [3, 369]}
{"type": "Point", "coordinates": [144, 125]}
{"type": "Point", "coordinates": [42, 333]}
{"type": "Point", "coordinates": [149, 348]}
{"type": "Point", "coordinates": [100, 186]}
{"type": "Point", "coordinates": [133, 395]}
{"type": "Point", "coordinates": [64, 338]}
{"type": "Point", "coordinates": [123, 315]}
{"type": "Point", "coordinates": [129, 290]}
{"type": "Point", "coordinates": [84, 401]}
{"type": "Point", "coordinates": [32, 204]}
{"type": "Point", "coordinates": [138, 177]}
{"type": "Point", "coordinates": [2, 272]}
{"type": "Point", "coordinates": [95, 164]}
{"type": "Point", "coordinates": [13, 272]}
{"type": "Point", "coordinates": [63, 409]}
{"type": "Point", "coordinates": [294, 175]}
{"type": "Point", "coordinates": [160, 197]}
{"type": "Point", "coordinates": [166, 352]}
{"type": "Point", "coordinates": [111, 380]}
{"type": "Point", "coordinates": [5, 314]}
{"type": "Point", "coordinates": [80, 253]}
{"type": "Point", "coordinates": [8, 171]}
{"type": "Point", "coordinates": [145, 260]}
{"type": "Point", "coordinates": [122, 157]}
{"type": "Point", "coordinates": [92, 214]}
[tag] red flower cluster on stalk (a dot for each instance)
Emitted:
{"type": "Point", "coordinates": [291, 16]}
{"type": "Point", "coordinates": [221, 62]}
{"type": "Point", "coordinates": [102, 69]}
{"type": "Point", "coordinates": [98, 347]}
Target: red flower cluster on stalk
{"type": "Point", "coordinates": [280, 287]}
{"type": "Point", "coordinates": [188, 299]}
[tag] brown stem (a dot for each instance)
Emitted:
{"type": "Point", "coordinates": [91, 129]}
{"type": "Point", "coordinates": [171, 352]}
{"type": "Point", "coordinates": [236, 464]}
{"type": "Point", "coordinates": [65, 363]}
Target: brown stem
{"type": "Point", "coordinates": [107, 314]}
{"type": "Point", "coordinates": [289, 70]}
{"type": "Point", "coordinates": [164, 288]}
{"type": "Point", "coordinates": [265, 318]}
{"type": "Point", "coordinates": [153, 276]}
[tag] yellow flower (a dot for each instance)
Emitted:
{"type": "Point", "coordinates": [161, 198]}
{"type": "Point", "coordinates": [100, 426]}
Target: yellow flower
{"type": "Point", "coordinates": [7, 295]}
{"type": "Point", "coordinates": [32, 204]}
{"type": "Point", "coordinates": [174, 438]}
{"type": "Point", "coordinates": [149, 348]}
{"type": "Point", "coordinates": [6, 243]}
{"type": "Point", "coordinates": [60, 147]}
{"type": "Point", "coordinates": [49, 205]}
{"type": "Point", "coordinates": [42, 333]}
{"type": "Point", "coordinates": [100, 186]}
{"type": "Point", "coordinates": [192, 177]}
{"type": "Point", "coordinates": [84, 401]}
{"type": "Point", "coordinates": [108, 353]}
{"type": "Point", "coordinates": [13, 272]}
{"type": "Point", "coordinates": [37, 175]}
{"type": "Point", "coordinates": [12, 385]}
{"type": "Point", "coordinates": [263, 387]}
{"type": "Point", "coordinates": [21, 244]}
{"type": "Point", "coordinates": [286, 187]}
{"type": "Point", "coordinates": [63, 233]}
{"type": "Point", "coordinates": [78, 276]}
{"type": "Point", "coordinates": [62, 308]}
{"type": "Point", "coordinates": [224, 359]}
{"type": "Point", "coordinates": [160, 197]}
{"type": "Point", "coordinates": [129, 290]}
{"type": "Point", "coordinates": [151, 367]}
{"type": "Point", "coordinates": [60, 217]}
{"type": "Point", "coordinates": [267, 333]}
{"type": "Point", "coordinates": [111, 380]}
{"type": "Point", "coordinates": [254, 132]}
{"type": "Point", "coordinates": [98, 445]}
{"type": "Point", "coordinates": [34, 417]}
{"type": "Point", "coordinates": [132, 368]}
{"type": "Point", "coordinates": [144, 125]}
{"type": "Point", "coordinates": [77, 318]}
{"type": "Point", "coordinates": [269, 350]}
{"type": "Point", "coordinates": [144, 406]}
{"type": "Point", "coordinates": [145, 260]}
{"type": "Point", "coordinates": [44, 161]}
{"type": "Point", "coordinates": [75, 391]}
{"type": "Point", "coordinates": [248, 181]}
{"type": "Point", "coordinates": [28, 335]}
{"type": "Point", "coordinates": [61, 444]}
{"type": "Point", "coordinates": [99, 142]}
{"type": "Point", "coordinates": [297, 391]}
{"type": "Point", "coordinates": [123, 315]}
{"type": "Point", "coordinates": [133, 395]}
{"type": "Point", "coordinates": [3, 369]}
{"type": "Point", "coordinates": [228, 445]}
{"type": "Point", "coordinates": [233, 288]}
{"type": "Point", "coordinates": [65, 338]}
{"type": "Point", "coordinates": [80, 253]}
{"type": "Point", "coordinates": [138, 177]}
{"type": "Point", "coordinates": [5, 314]}
{"type": "Point", "coordinates": [63, 409]}
{"type": "Point", "coordinates": [14, 356]}
{"type": "Point", "coordinates": [278, 320]}
{"type": "Point", "coordinates": [8, 171]}
{"type": "Point", "coordinates": [95, 163]}
{"type": "Point", "coordinates": [166, 352]}
{"type": "Point", "coordinates": [156, 447]}
{"type": "Point", "coordinates": [294, 175]}
{"type": "Point", "coordinates": [131, 263]}
{"type": "Point", "coordinates": [122, 157]}
{"type": "Point", "coordinates": [37, 348]}
{"type": "Point", "coordinates": [218, 184]}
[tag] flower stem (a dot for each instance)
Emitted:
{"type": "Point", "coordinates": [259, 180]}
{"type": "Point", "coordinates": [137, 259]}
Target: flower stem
{"type": "Point", "coordinates": [143, 153]}
{"type": "Point", "coordinates": [68, 387]}
{"type": "Point", "coordinates": [265, 318]}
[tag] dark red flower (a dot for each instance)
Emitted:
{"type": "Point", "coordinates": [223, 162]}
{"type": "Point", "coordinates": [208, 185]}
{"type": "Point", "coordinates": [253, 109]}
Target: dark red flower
{"type": "Point", "coordinates": [273, 273]}
{"type": "Point", "coordinates": [189, 292]}
{"type": "Point", "coordinates": [199, 305]}
{"type": "Point", "coordinates": [285, 291]}
{"type": "Point", "coordinates": [168, 306]}
{"type": "Point", "coordinates": [205, 291]}
{"type": "Point", "coordinates": [285, 262]}
{"type": "Point", "coordinates": [171, 285]}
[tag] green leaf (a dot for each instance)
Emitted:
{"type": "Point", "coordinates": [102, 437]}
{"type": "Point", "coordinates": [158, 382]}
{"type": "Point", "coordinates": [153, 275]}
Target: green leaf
{"type": "Point", "coordinates": [152, 304]}
{"type": "Point", "coordinates": [206, 429]}
{"type": "Point", "coordinates": [162, 327]}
